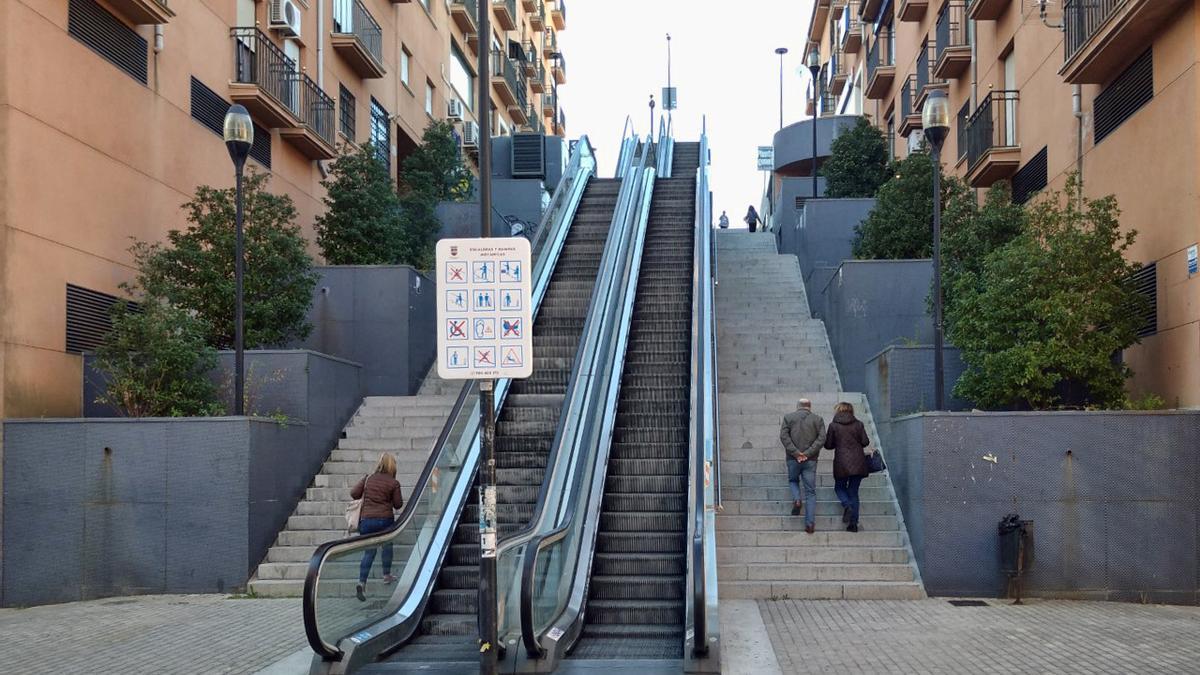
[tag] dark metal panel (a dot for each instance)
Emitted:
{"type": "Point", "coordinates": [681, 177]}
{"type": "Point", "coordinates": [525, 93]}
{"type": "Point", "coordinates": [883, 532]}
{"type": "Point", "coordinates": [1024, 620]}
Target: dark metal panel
{"type": "Point", "coordinates": [1131, 90]}
{"type": "Point", "coordinates": [106, 35]}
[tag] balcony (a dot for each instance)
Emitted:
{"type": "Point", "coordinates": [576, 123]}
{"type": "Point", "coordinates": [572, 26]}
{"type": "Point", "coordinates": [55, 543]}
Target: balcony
{"type": "Point", "coordinates": [529, 5]}
{"type": "Point", "coordinates": [358, 38]}
{"type": "Point", "coordinates": [926, 81]}
{"type": "Point", "coordinates": [537, 18]}
{"type": "Point", "coordinates": [519, 112]}
{"type": "Point", "coordinates": [912, 10]}
{"type": "Point", "coordinates": [465, 13]}
{"type": "Point", "coordinates": [559, 70]}
{"type": "Point", "coordinates": [838, 10]}
{"type": "Point", "coordinates": [531, 60]}
{"type": "Point", "coordinates": [953, 49]}
{"type": "Point", "coordinates": [837, 74]}
{"type": "Point", "coordinates": [561, 129]}
{"type": "Point", "coordinates": [548, 106]}
{"type": "Point", "coordinates": [993, 150]}
{"type": "Point", "coordinates": [315, 135]}
{"type": "Point", "coordinates": [986, 10]}
{"type": "Point", "coordinates": [504, 78]}
{"type": "Point", "coordinates": [910, 112]}
{"type": "Point", "coordinates": [820, 17]}
{"type": "Point", "coordinates": [881, 67]}
{"type": "Point", "coordinates": [558, 15]}
{"type": "Point", "coordinates": [550, 44]}
{"type": "Point", "coordinates": [538, 81]}
{"type": "Point", "coordinates": [506, 14]}
{"type": "Point", "coordinates": [143, 11]}
{"type": "Point", "coordinates": [851, 29]}
{"type": "Point", "coordinates": [1102, 35]}
{"type": "Point", "coordinates": [868, 11]}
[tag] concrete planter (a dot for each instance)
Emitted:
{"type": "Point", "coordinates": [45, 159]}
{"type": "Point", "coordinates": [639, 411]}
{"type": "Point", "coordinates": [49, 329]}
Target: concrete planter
{"type": "Point", "coordinates": [1112, 496]}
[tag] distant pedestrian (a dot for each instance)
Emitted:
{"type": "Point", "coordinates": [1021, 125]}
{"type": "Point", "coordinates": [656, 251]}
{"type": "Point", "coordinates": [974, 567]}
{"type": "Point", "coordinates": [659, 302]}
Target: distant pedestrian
{"type": "Point", "coordinates": [380, 494]}
{"type": "Point", "coordinates": [724, 222]}
{"type": "Point", "coordinates": [848, 439]}
{"type": "Point", "coordinates": [752, 218]}
{"type": "Point", "coordinates": [802, 434]}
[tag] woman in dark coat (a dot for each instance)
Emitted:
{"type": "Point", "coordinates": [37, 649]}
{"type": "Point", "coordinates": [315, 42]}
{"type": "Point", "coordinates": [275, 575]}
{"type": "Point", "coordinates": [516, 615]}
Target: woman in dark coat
{"type": "Point", "coordinates": [847, 438]}
{"type": "Point", "coordinates": [752, 218]}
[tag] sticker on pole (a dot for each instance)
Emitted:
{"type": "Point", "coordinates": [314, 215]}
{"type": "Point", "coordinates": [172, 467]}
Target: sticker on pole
{"type": "Point", "coordinates": [483, 309]}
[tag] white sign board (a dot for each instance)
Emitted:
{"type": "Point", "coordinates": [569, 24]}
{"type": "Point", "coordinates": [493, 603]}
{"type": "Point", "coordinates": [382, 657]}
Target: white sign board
{"type": "Point", "coordinates": [483, 312]}
{"type": "Point", "coordinates": [766, 158]}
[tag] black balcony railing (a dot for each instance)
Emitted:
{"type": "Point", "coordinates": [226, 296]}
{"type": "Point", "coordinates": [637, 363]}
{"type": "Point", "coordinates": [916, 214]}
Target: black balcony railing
{"type": "Point", "coordinates": [849, 22]}
{"type": "Point", "coordinates": [951, 27]}
{"type": "Point", "coordinates": [361, 24]}
{"type": "Point", "coordinates": [993, 125]}
{"type": "Point", "coordinates": [260, 62]}
{"type": "Point", "coordinates": [924, 67]}
{"type": "Point", "coordinates": [551, 42]}
{"type": "Point", "coordinates": [1082, 18]}
{"type": "Point", "coordinates": [502, 66]}
{"type": "Point", "coordinates": [316, 109]}
{"type": "Point", "coordinates": [472, 9]}
{"type": "Point", "coordinates": [562, 10]}
{"type": "Point", "coordinates": [881, 55]}
{"type": "Point", "coordinates": [908, 98]}
{"type": "Point", "coordinates": [509, 5]}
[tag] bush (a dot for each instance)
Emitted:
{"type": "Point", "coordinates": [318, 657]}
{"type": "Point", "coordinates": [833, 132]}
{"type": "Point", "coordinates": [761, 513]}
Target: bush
{"type": "Point", "coordinates": [858, 162]}
{"type": "Point", "coordinates": [1051, 309]}
{"type": "Point", "coordinates": [970, 233]}
{"type": "Point", "coordinates": [435, 169]}
{"type": "Point", "coordinates": [362, 224]}
{"type": "Point", "coordinates": [901, 224]}
{"type": "Point", "coordinates": [194, 270]}
{"type": "Point", "coordinates": [157, 363]}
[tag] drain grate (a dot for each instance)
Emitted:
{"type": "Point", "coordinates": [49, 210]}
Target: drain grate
{"type": "Point", "coordinates": [969, 603]}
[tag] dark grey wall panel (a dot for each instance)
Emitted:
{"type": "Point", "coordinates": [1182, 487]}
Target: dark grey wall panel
{"type": "Point", "coordinates": [1113, 497]}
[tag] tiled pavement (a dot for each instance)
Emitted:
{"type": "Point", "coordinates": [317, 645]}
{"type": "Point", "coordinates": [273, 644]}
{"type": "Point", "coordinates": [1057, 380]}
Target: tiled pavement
{"type": "Point", "coordinates": [932, 636]}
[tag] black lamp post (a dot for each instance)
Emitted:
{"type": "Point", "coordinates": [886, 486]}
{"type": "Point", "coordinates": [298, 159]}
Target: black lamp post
{"type": "Point", "coordinates": [935, 119]}
{"type": "Point", "coordinates": [554, 89]}
{"type": "Point", "coordinates": [239, 136]}
{"type": "Point", "coordinates": [814, 66]}
{"type": "Point", "coordinates": [651, 118]}
{"type": "Point", "coordinates": [781, 51]}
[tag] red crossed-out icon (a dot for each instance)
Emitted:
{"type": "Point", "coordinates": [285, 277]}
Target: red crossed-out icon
{"type": "Point", "coordinates": [511, 328]}
{"type": "Point", "coordinates": [458, 328]}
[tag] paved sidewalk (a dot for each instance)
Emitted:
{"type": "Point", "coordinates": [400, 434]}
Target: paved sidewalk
{"type": "Point", "coordinates": [933, 636]}
{"type": "Point", "coordinates": [153, 634]}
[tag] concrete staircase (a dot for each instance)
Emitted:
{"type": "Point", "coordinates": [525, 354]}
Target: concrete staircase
{"type": "Point", "coordinates": [406, 426]}
{"type": "Point", "coordinates": [773, 353]}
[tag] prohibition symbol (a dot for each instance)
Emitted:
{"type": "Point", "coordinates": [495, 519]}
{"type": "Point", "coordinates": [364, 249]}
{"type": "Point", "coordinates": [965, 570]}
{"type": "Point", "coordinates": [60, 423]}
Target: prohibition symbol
{"type": "Point", "coordinates": [510, 329]}
{"type": "Point", "coordinates": [485, 357]}
{"type": "Point", "coordinates": [456, 329]}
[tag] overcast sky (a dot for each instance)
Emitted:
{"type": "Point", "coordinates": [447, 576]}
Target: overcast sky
{"type": "Point", "coordinates": [723, 63]}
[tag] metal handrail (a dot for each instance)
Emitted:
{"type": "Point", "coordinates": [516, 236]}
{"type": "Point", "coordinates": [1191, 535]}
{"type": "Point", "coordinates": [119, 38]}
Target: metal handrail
{"type": "Point", "coordinates": [664, 158]}
{"type": "Point", "coordinates": [403, 611]}
{"type": "Point", "coordinates": [259, 61]}
{"type": "Point", "coordinates": [362, 26]}
{"type": "Point", "coordinates": [625, 158]}
{"type": "Point", "coordinates": [951, 27]}
{"type": "Point", "coordinates": [316, 109]}
{"type": "Point", "coordinates": [992, 125]}
{"type": "Point", "coordinates": [1082, 20]}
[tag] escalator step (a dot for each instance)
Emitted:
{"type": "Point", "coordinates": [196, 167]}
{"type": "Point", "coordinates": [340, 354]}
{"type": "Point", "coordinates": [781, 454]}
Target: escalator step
{"type": "Point", "coordinates": [643, 521]}
{"type": "Point", "coordinates": [637, 587]}
{"type": "Point", "coordinates": [662, 564]}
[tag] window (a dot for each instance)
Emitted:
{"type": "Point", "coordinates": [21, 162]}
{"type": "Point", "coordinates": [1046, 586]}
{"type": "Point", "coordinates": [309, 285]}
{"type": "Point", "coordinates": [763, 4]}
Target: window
{"type": "Point", "coordinates": [428, 98]}
{"type": "Point", "coordinates": [964, 115]}
{"type": "Point", "coordinates": [106, 35]}
{"type": "Point", "coordinates": [346, 101]}
{"type": "Point", "coordinates": [404, 58]}
{"type": "Point", "coordinates": [891, 137]}
{"type": "Point", "coordinates": [461, 77]}
{"type": "Point", "coordinates": [343, 16]}
{"type": "Point", "coordinates": [208, 108]}
{"type": "Point", "coordinates": [381, 133]}
{"type": "Point", "coordinates": [1126, 95]}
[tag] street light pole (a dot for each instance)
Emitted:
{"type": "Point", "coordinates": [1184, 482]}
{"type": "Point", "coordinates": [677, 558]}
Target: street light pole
{"type": "Point", "coordinates": [814, 67]}
{"type": "Point", "coordinates": [554, 89]}
{"type": "Point", "coordinates": [935, 120]}
{"type": "Point", "coordinates": [781, 51]}
{"type": "Point", "coordinates": [238, 131]}
{"type": "Point", "coordinates": [651, 118]}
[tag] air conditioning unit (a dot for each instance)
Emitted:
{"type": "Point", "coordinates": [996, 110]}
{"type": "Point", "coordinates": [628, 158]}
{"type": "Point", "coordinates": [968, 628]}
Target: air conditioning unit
{"type": "Point", "coordinates": [470, 137]}
{"type": "Point", "coordinates": [454, 109]}
{"type": "Point", "coordinates": [285, 17]}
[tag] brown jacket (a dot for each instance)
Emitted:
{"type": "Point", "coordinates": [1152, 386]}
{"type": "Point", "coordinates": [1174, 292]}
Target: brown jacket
{"type": "Point", "coordinates": [847, 437]}
{"type": "Point", "coordinates": [382, 494]}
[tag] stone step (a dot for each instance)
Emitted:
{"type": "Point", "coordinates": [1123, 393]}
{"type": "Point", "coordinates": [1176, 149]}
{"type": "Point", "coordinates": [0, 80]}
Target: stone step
{"type": "Point", "coordinates": [388, 444]}
{"type": "Point", "coordinates": [828, 506]}
{"type": "Point", "coordinates": [799, 539]}
{"type": "Point", "coordinates": [781, 492]}
{"type": "Point", "coordinates": [788, 523]}
{"type": "Point", "coordinates": [341, 459]}
{"type": "Point", "coordinates": [822, 590]}
{"type": "Point", "coordinates": [814, 572]}
{"type": "Point", "coordinates": [296, 554]}
{"type": "Point", "coordinates": [804, 556]}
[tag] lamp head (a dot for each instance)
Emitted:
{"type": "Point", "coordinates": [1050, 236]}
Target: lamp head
{"type": "Point", "coordinates": [814, 60]}
{"type": "Point", "coordinates": [238, 131]}
{"type": "Point", "coordinates": [935, 118]}
{"type": "Point", "coordinates": [781, 50]}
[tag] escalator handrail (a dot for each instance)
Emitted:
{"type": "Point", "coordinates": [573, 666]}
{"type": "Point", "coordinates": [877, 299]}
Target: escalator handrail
{"type": "Point", "coordinates": [635, 224]}
{"type": "Point", "coordinates": [627, 132]}
{"type": "Point", "coordinates": [581, 171]}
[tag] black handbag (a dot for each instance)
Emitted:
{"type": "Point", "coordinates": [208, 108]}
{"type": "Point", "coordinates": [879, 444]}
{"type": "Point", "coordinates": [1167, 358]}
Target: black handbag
{"type": "Point", "coordinates": [875, 463]}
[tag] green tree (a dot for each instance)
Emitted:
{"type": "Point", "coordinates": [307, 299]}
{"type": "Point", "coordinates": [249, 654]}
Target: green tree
{"type": "Point", "coordinates": [858, 162]}
{"type": "Point", "coordinates": [362, 224]}
{"type": "Point", "coordinates": [157, 363]}
{"type": "Point", "coordinates": [421, 228]}
{"type": "Point", "coordinates": [970, 232]}
{"type": "Point", "coordinates": [194, 269]}
{"type": "Point", "coordinates": [901, 224]}
{"type": "Point", "coordinates": [435, 168]}
{"type": "Point", "coordinates": [1051, 308]}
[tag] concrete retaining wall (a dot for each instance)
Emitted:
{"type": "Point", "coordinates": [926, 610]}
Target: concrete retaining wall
{"type": "Point", "coordinates": [821, 238]}
{"type": "Point", "coordinates": [1114, 496]}
{"type": "Point", "coordinates": [900, 381]}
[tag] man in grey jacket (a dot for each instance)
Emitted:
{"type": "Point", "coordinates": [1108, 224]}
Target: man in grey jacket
{"type": "Point", "coordinates": [803, 434]}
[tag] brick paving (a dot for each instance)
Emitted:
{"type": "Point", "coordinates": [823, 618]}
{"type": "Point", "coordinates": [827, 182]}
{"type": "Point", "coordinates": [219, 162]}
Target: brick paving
{"type": "Point", "coordinates": [150, 634]}
{"type": "Point", "coordinates": [932, 636]}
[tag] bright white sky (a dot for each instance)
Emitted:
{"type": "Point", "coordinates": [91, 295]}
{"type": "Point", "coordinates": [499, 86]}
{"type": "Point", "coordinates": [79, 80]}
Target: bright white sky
{"type": "Point", "coordinates": [723, 63]}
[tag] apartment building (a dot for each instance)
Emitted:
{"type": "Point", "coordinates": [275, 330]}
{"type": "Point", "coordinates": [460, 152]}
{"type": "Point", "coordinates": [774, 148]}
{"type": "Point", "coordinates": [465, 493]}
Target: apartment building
{"type": "Point", "coordinates": [111, 113]}
{"type": "Point", "coordinates": [1107, 88]}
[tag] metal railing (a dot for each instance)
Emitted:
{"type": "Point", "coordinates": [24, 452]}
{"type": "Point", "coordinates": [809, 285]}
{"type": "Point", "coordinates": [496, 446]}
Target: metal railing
{"type": "Point", "coordinates": [951, 28]}
{"type": "Point", "coordinates": [551, 42]}
{"type": "Point", "coordinates": [629, 144]}
{"type": "Point", "coordinates": [258, 61]}
{"type": "Point", "coordinates": [502, 66]}
{"type": "Point", "coordinates": [561, 8]}
{"type": "Point", "coordinates": [338, 627]}
{"type": "Point", "coordinates": [926, 59]}
{"type": "Point", "coordinates": [908, 98]}
{"type": "Point", "coordinates": [472, 9]}
{"type": "Point", "coordinates": [880, 55]}
{"type": "Point", "coordinates": [850, 21]}
{"type": "Point", "coordinates": [317, 110]}
{"type": "Point", "coordinates": [561, 64]}
{"type": "Point", "coordinates": [993, 125]}
{"type": "Point", "coordinates": [1082, 19]}
{"type": "Point", "coordinates": [510, 5]}
{"type": "Point", "coordinates": [362, 25]}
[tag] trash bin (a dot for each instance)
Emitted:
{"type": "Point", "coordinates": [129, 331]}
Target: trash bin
{"type": "Point", "coordinates": [1016, 548]}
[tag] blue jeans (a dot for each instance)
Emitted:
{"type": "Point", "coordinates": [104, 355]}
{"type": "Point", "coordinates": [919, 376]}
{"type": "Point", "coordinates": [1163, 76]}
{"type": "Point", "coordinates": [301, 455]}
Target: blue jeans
{"type": "Point", "coordinates": [807, 472]}
{"type": "Point", "coordinates": [847, 494]}
{"type": "Point", "coordinates": [368, 526]}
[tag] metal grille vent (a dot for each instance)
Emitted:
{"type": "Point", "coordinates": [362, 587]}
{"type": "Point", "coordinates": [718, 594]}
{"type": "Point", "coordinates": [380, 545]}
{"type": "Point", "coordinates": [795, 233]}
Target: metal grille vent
{"type": "Point", "coordinates": [1145, 283]}
{"type": "Point", "coordinates": [528, 156]}
{"type": "Point", "coordinates": [346, 108]}
{"type": "Point", "coordinates": [1126, 95]}
{"type": "Point", "coordinates": [208, 108]}
{"type": "Point", "coordinates": [104, 34]}
{"type": "Point", "coordinates": [88, 321]}
{"type": "Point", "coordinates": [800, 203]}
{"type": "Point", "coordinates": [1030, 179]}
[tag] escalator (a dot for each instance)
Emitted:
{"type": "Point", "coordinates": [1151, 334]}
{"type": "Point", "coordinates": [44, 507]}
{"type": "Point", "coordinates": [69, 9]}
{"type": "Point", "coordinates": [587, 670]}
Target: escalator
{"type": "Point", "coordinates": [636, 598]}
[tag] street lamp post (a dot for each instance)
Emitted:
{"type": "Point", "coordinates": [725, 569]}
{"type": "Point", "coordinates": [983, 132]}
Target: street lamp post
{"type": "Point", "coordinates": [814, 67]}
{"type": "Point", "coordinates": [239, 136]}
{"type": "Point", "coordinates": [651, 118]}
{"type": "Point", "coordinates": [935, 120]}
{"type": "Point", "coordinates": [781, 51]}
{"type": "Point", "coordinates": [554, 89]}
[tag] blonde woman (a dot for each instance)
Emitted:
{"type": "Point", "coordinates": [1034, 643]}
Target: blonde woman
{"type": "Point", "coordinates": [380, 494]}
{"type": "Point", "coordinates": [847, 438]}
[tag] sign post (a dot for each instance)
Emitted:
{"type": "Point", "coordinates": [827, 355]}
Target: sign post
{"type": "Point", "coordinates": [484, 333]}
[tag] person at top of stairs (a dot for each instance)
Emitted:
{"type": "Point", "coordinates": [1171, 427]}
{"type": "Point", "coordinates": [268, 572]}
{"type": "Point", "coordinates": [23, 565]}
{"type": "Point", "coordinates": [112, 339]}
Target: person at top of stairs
{"type": "Point", "coordinates": [380, 495]}
{"type": "Point", "coordinates": [848, 439]}
{"type": "Point", "coordinates": [803, 434]}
